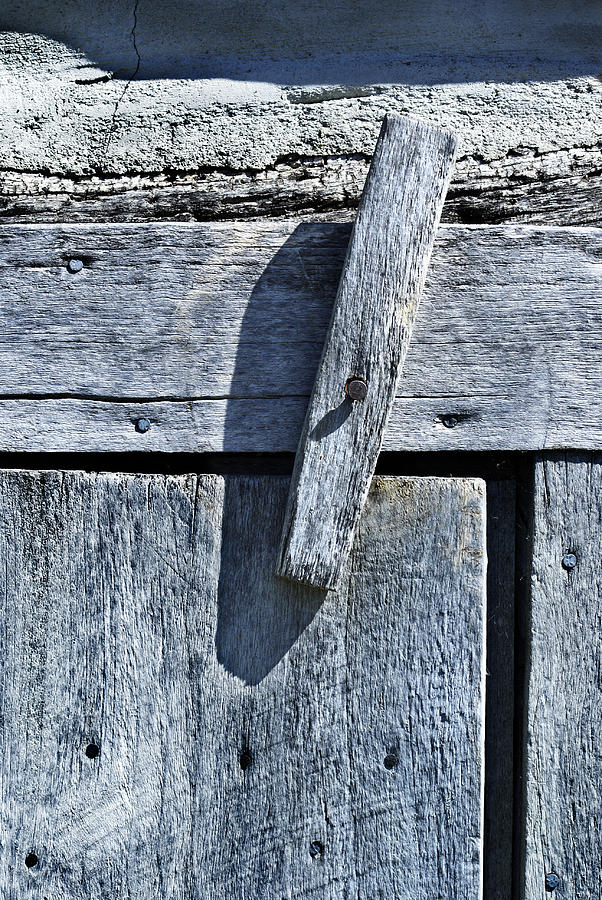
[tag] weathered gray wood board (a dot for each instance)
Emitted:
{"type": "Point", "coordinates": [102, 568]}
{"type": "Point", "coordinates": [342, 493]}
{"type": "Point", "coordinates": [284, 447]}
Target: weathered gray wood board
{"type": "Point", "coordinates": [499, 713]}
{"type": "Point", "coordinates": [214, 332]}
{"type": "Point", "coordinates": [367, 339]}
{"type": "Point", "coordinates": [412, 624]}
{"type": "Point", "coordinates": [564, 760]}
{"type": "Point", "coordinates": [142, 614]}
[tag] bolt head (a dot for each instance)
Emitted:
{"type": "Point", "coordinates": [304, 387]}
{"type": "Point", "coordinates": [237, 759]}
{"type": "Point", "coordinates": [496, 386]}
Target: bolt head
{"type": "Point", "coordinates": [449, 421]}
{"type": "Point", "coordinates": [75, 265]}
{"type": "Point", "coordinates": [316, 849]}
{"type": "Point", "coordinates": [356, 388]}
{"type": "Point", "coordinates": [569, 561]}
{"type": "Point", "coordinates": [552, 881]}
{"type": "Point", "coordinates": [142, 425]}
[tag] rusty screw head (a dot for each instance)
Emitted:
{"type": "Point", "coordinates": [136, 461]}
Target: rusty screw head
{"type": "Point", "coordinates": [356, 388]}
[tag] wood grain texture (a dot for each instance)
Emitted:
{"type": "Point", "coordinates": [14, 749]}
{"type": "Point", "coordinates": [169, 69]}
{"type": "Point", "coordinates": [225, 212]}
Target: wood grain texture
{"type": "Point", "coordinates": [525, 185]}
{"type": "Point", "coordinates": [214, 333]}
{"type": "Point", "coordinates": [563, 758]}
{"type": "Point", "coordinates": [142, 613]}
{"type": "Point", "coordinates": [413, 542]}
{"type": "Point", "coordinates": [368, 337]}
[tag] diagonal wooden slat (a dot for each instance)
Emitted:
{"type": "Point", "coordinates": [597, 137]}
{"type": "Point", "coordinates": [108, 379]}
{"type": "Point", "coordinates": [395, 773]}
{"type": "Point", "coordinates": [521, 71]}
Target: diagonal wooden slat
{"type": "Point", "coordinates": [373, 316]}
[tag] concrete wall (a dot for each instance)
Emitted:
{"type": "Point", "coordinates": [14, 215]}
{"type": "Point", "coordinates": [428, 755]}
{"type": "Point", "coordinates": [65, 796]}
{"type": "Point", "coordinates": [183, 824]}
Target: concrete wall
{"type": "Point", "coordinates": [246, 93]}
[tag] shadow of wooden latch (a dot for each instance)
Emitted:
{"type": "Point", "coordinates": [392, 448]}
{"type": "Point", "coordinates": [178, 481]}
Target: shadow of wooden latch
{"type": "Point", "coordinates": [367, 341]}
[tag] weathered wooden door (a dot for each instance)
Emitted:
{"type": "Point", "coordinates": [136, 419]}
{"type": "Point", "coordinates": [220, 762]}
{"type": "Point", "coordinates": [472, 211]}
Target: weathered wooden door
{"type": "Point", "coordinates": [178, 180]}
{"type": "Point", "coordinates": [178, 722]}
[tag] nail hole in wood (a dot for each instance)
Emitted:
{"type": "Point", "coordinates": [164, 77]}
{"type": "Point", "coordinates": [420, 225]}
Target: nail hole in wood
{"type": "Point", "coordinates": [245, 759]}
{"type": "Point", "coordinates": [31, 860]}
{"type": "Point", "coordinates": [449, 421]}
{"type": "Point", "coordinates": [391, 760]}
{"type": "Point", "coordinates": [92, 751]}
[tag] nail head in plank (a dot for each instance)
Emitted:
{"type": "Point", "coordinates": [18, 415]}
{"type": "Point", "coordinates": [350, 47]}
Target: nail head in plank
{"type": "Point", "coordinates": [368, 337]}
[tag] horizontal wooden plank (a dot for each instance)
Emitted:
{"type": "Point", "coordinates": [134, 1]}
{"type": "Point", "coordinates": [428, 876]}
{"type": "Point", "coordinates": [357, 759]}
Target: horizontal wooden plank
{"type": "Point", "coordinates": [526, 186]}
{"type": "Point", "coordinates": [213, 332]}
{"type": "Point", "coordinates": [252, 738]}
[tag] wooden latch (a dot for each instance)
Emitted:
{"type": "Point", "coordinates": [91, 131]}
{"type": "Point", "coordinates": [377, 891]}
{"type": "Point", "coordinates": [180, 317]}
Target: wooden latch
{"type": "Point", "coordinates": [367, 341]}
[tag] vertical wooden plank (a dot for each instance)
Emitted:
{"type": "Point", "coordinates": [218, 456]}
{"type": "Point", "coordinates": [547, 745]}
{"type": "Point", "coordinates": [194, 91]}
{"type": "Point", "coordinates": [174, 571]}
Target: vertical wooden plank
{"type": "Point", "coordinates": [564, 703]}
{"type": "Point", "coordinates": [242, 720]}
{"type": "Point", "coordinates": [367, 341]}
{"type": "Point", "coordinates": [415, 651]}
{"type": "Point", "coordinates": [391, 662]}
{"type": "Point", "coordinates": [499, 712]}
{"type": "Point", "coordinates": [104, 585]}
{"type": "Point", "coordinates": [277, 825]}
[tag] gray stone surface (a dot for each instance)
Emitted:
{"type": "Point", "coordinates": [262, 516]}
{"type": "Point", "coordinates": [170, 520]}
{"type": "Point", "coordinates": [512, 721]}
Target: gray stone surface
{"type": "Point", "coordinates": [95, 90]}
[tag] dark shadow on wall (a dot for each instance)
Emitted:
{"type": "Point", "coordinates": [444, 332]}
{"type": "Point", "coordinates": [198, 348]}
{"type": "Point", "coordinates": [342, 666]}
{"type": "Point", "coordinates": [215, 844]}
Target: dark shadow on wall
{"type": "Point", "coordinates": [282, 333]}
{"type": "Point", "coordinates": [305, 42]}
{"type": "Point", "coordinates": [260, 615]}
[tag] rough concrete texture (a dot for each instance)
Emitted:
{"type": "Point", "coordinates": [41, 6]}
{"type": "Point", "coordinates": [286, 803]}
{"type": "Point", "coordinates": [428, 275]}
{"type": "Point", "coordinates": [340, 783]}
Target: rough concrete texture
{"type": "Point", "coordinates": [91, 89]}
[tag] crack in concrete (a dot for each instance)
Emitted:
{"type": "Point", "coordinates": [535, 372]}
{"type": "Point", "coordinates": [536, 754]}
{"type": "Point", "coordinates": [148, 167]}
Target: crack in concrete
{"type": "Point", "coordinates": [129, 81]}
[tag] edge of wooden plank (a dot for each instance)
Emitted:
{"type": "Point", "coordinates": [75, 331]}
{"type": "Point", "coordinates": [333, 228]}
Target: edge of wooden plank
{"type": "Point", "coordinates": [272, 426]}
